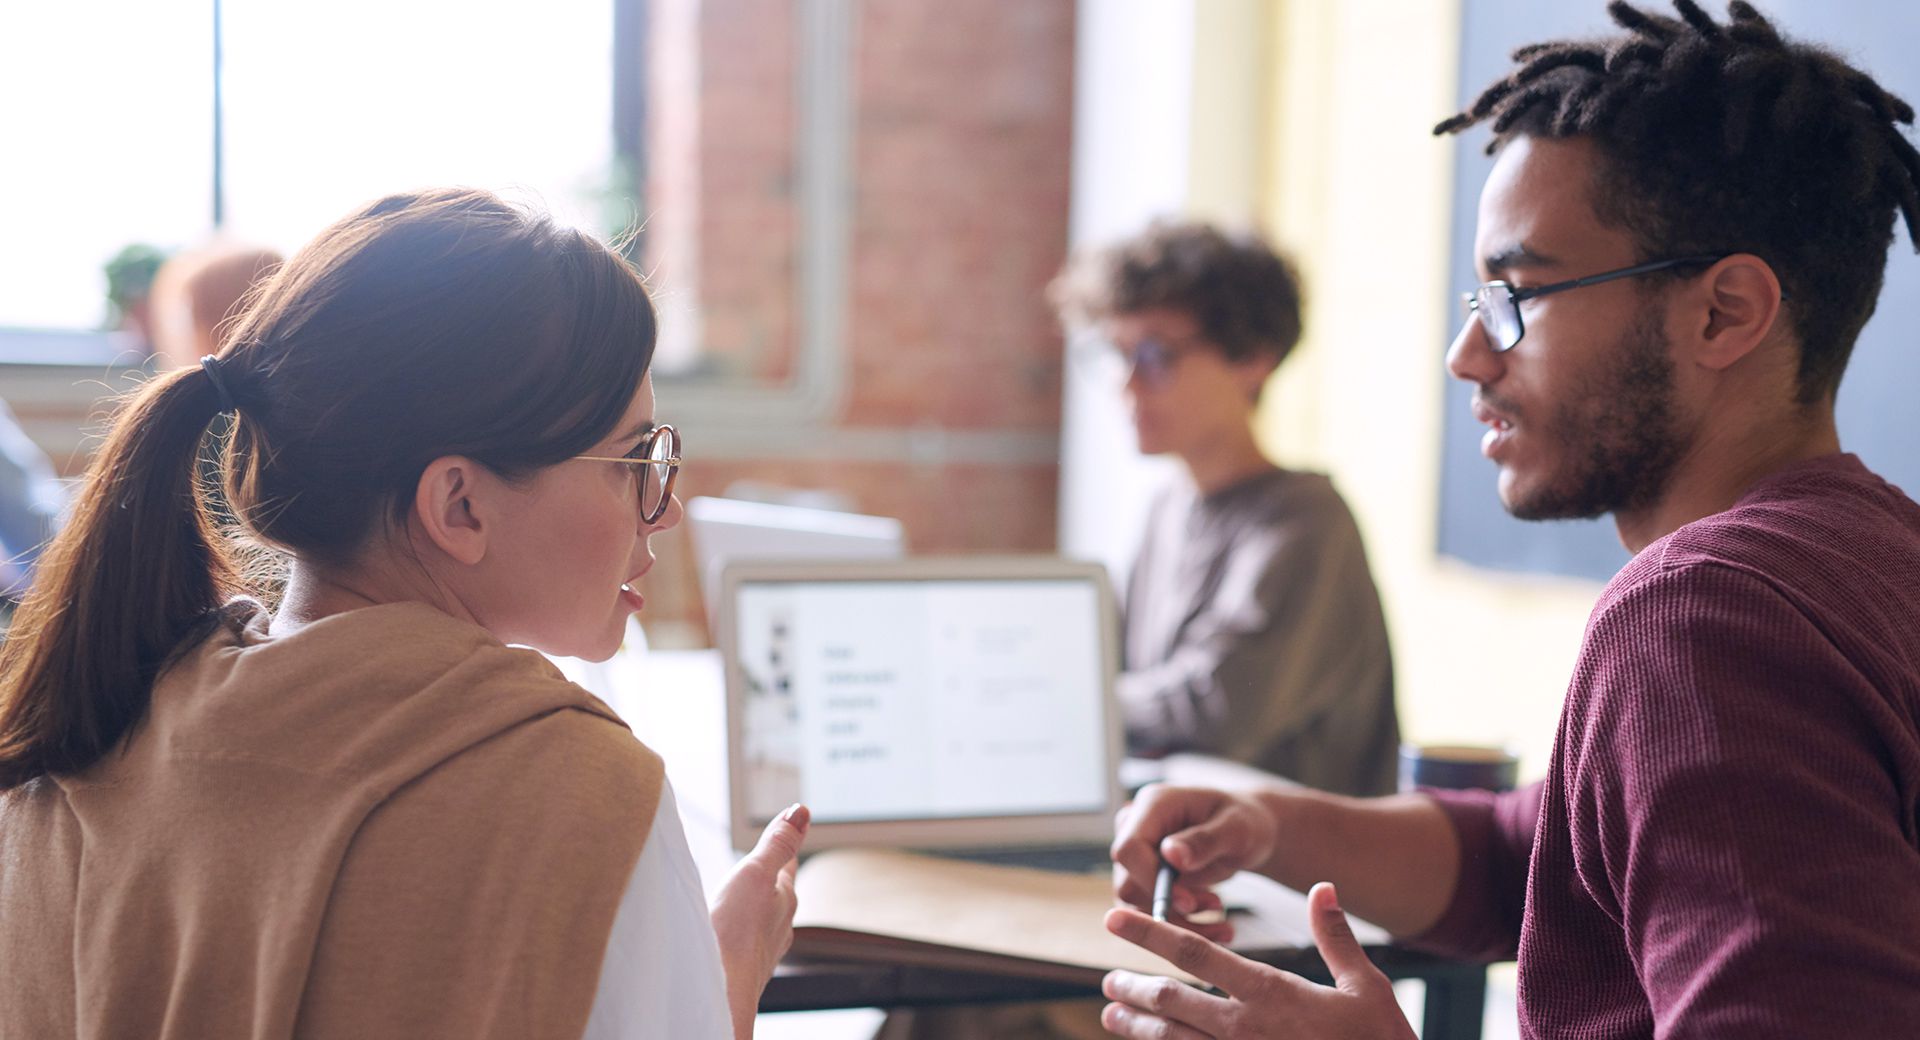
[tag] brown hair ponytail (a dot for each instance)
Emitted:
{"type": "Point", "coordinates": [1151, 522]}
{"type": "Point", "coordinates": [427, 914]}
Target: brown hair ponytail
{"type": "Point", "coordinates": [424, 325]}
{"type": "Point", "coordinates": [136, 568]}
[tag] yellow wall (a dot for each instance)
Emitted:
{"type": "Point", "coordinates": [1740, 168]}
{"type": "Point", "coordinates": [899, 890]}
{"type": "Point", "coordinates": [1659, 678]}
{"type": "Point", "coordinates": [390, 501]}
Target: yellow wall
{"type": "Point", "coordinates": [1334, 158]}
{"type": "Point", "coordinates": [1232, 107]}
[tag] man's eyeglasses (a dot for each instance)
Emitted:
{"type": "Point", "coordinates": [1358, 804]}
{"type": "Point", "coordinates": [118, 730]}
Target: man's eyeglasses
{"type": "Point", "coordinates": [1497, 304]}
{"type": "Point", "coordinates": [657, 460]}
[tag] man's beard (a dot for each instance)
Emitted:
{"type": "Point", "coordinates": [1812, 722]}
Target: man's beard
{"type": "Point", "coordinates": [1616, 432]}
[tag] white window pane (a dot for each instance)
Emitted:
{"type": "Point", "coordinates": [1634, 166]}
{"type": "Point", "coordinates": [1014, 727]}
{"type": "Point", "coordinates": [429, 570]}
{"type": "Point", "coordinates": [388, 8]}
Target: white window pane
{"type": "Point", "coordinates": [330, 105]}
{"type": "Point", "coordinates": [105, 139]}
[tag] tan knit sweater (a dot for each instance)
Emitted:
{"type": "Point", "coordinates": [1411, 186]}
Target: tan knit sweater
{"type": "Point", "coordinates": [383, 824]}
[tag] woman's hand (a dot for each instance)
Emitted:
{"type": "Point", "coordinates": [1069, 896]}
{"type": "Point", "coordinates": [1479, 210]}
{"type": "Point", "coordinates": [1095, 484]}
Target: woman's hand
{"type": "Point", "coordinates": [753, 915]}
{"type": "Point", "coordinates": [1259, 1001]}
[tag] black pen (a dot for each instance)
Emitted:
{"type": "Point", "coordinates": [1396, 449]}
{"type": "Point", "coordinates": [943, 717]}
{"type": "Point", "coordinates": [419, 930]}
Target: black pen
{"type": "Point", "coordinates": [1163, 890]}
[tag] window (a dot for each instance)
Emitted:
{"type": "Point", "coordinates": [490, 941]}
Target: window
{"type": "Point", "coordinates": [107, 140]}
{"type": "Point", "coordinates": [323, 106]}
{"type": "Point", "coordinates": [109, 127]}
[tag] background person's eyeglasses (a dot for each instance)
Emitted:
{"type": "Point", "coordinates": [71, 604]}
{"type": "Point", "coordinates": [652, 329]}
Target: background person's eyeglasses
{"type": "Point", "coordinates": [1150, 359]}
{"type": "Point", "coordinates": [657, 460]}
{"type": "Point", "coordinates": [1497, 303]}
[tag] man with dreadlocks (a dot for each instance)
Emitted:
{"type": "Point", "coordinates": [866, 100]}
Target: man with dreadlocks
{"type": "Point", "coordinates": [1684, 232]}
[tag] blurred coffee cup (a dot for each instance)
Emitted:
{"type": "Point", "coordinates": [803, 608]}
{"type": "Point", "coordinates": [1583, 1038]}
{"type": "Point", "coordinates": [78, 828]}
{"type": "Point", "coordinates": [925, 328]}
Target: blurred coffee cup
{"type": "Point", "coordinates": [1457, 767]}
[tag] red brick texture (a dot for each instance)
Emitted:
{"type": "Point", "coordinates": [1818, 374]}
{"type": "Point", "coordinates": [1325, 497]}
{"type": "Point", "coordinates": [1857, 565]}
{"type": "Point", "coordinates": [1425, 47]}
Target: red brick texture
{"type": "Point", "coordinates": [961, 146]}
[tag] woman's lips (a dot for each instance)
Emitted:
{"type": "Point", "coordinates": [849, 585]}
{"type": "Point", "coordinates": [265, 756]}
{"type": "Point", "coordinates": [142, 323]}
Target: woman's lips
{"type": "Point", "coordinates": [630, 589]}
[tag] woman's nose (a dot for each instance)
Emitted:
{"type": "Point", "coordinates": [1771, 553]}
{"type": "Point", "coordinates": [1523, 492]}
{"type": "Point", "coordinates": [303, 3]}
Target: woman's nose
{"type": "Point", "coordinates": [670, 518]}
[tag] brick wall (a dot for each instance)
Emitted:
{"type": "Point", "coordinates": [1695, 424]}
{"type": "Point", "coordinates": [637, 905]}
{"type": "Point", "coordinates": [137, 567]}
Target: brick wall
{"type": "Point", "coordinates": [726, 70]}
{"type": "Point", "coordinates": [961, 178]}
{"type": "Point", "coordinates": [961, 140]}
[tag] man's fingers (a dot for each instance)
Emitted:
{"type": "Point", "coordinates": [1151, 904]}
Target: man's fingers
{"type": "Point", "coordinates": [1133, 1024]}
{"type": "Point", "coordinates": [1128, 886]}
{"type": "Point", "coordinates": [1207, 916]}
{"type": "Point", "coordinates": [1165, 998]}
{"type": "Point", "coordinates": [1197, 851]}
{"type": "Point", "coordinates": [1157, 812]}
{"type": "Point", "coordinates": [1216, 929]}
{"type": "Point", "coordinates": [1134, 864]}
{"type": "Point", "coordinates": [1220, 931]}
{"type": "Point", "coordinates": [1334, 936]}
{"type": "Point", "coordinates": [1191, 953]}
{"type": "Point", "coordinates": [1201, 911]}
{"type": "Point", "coordinates": [1190, 901]}
{"type": "Point", "coordinates": [1186, 903]}
{"type": "Point", "coordinates": [1135, 868]}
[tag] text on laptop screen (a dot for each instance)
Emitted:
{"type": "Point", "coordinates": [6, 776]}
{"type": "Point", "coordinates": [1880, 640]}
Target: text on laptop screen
{"type": "Point", "coordinates": [889, 700]}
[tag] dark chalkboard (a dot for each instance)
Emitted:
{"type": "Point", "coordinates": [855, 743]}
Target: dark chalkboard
{"type": "Point", "coordinates": [1879, 412]}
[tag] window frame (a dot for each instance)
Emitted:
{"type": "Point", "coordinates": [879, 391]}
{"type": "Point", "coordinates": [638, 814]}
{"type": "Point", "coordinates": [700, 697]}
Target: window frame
{"type": "Point", "coordinates": [729, 410]}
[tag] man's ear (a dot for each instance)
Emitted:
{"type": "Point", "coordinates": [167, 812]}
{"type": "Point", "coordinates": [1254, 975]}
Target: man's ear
{"type": "Point", "coordinates": [444, 504]}
{"type": "Point", "coordinates": [1254, 370]}
{"type": "Point", "coordinates": [1739, 305]}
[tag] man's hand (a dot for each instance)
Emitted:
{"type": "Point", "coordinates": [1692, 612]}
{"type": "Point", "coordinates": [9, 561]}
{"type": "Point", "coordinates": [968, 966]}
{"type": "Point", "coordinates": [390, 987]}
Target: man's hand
{"type": "Point", "coordinates": [1259, 1001]}
{"type": "Point", "coordinates": [1207, 835]}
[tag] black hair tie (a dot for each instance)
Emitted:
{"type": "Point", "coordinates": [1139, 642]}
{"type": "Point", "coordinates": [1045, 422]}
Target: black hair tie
{"type": "Point", "coordinates": [211, 365]}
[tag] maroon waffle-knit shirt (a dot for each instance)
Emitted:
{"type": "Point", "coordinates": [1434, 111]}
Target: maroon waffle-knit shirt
{"type": "Point", "coordinates": [1727, 842]}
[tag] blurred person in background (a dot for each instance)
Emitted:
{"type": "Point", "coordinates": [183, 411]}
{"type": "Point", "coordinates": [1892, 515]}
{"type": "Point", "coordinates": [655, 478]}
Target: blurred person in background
{"type": "Point", "coordinates": [130, 274]}
{"type": "Point", "coordinates": [1252, 629]}
{"type": "Point", "coordinates": [197, 295]}
{"type": "Point", "coordinates": [31, 499]}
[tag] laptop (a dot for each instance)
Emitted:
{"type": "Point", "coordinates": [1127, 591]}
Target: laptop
{"type": "Point", "coordinates": [726, 529]}
{"type": "Point", "coordinates": [956, 704]}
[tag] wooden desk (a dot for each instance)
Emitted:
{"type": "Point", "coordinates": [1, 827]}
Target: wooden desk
{"type": "Point", "coordinates": [675, 702]}
{"type": "Point", "coordinates": [1454, 1006]}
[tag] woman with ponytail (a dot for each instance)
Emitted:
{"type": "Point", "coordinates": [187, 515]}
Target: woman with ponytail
{"type": "Point", "coordinates": [365, 811]}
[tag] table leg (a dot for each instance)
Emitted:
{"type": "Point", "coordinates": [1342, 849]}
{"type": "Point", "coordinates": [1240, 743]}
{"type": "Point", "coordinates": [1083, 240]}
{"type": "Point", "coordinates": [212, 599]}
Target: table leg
{"type": "Point", "coordinates": [1456, 1005]}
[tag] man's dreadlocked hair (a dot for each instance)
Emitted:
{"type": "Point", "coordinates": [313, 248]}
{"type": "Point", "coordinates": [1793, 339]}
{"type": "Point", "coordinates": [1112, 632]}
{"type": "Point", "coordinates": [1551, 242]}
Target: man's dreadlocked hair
{"type": "Point", "coordinates": [1728, 138]}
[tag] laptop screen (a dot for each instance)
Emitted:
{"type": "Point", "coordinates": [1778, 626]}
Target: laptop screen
{"type": "Point", "coordinates": [891, 698]}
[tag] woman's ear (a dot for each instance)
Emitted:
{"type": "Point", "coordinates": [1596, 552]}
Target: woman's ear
{"type": "Point", "coordinates": [448, 504]}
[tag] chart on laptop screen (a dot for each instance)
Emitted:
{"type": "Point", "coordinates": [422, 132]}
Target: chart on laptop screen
{"type": "Point", "coordinates": [890, 700]}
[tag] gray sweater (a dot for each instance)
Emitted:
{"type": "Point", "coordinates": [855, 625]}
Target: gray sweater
{"type": "Point", "coordinates": [1253, 631]}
